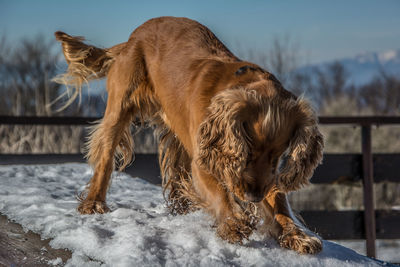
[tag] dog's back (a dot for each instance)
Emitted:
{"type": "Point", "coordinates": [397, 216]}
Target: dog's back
{"type": "Point", "coordinates": [175, 60]}
{"type": "Point", "coordinates": [163, 39]}
{"type": "Point", "coordinates": [173, 35]}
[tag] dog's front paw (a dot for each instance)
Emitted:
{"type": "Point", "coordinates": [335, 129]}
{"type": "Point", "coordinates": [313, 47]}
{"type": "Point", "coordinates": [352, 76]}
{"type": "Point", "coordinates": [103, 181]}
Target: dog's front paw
{"type": "Point", "coordinates": [92, 206]}
{"type": "Point", "coordinates": [234, 230]}
{"type": "Point", "coordinates": [295, 239]}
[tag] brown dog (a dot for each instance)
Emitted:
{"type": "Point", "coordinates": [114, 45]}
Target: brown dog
{"type": "Point", "coordinates": [224, 126]}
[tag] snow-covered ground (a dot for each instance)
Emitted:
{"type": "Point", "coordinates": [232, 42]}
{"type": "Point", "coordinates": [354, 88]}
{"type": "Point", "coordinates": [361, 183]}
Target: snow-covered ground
{"type": "Point", "coordinates": [139, 231]}
{"type": "Point", "coordinates": [386, 250]}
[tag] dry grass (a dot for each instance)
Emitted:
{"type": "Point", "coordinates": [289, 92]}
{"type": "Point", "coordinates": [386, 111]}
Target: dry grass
{"type": "Point", "coordinates": [344, 196]}
{"type": "Point", "coordinates": [27, 139]}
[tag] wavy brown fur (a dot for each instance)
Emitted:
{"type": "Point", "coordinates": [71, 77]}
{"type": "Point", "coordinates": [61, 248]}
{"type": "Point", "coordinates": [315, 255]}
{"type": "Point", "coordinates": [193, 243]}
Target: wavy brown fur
{"type": "Point", "coordinates": [180, 196]}
{"type": "Point", "coordinates": [224, 125]}
{"type": "Point", "coordinates": [123, 153]}
{"type": "Point", "coordinates": [305, 150]}
{"type": "Point", "coordinates": [85, 63]}
{"type": "Point", "coordinates": [224, 143]}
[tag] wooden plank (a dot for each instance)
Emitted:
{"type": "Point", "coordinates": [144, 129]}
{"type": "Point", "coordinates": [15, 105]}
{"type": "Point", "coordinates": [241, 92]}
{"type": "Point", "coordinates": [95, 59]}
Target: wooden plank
{"type": "Point", "coordinates": [368, 191]}
{"type": "Point", "coordinates": [386, 167]}
{"type": "Point", "coordinates": [32, 120]}
{"type": "Point", "coordinates": [328, 171]}
{"type": "Point", "coordinates": [335, 224]}
{"type": "Point", "coordinates": [387, 224]}
{"type": "Point", "coordinates": [347, 168]}
{"type": "Point", "coordinates": [29, 159]}
{"type": "Point", "coordinates": [360, 120]}
{"type": "Point", "coordinates": [350, 224]}
{"type": "Point", "coordinates": [145, 166]}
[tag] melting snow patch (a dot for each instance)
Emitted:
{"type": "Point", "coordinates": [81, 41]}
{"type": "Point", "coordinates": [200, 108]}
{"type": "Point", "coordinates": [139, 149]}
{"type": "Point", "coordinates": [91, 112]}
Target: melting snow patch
{"type": "Point", "coordinates": [55, 262]}
{"type": "Point", "coordinates": [139, 231]}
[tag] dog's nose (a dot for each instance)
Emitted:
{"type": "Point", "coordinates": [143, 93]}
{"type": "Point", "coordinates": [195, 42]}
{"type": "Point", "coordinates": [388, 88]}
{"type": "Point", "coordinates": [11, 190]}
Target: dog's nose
{"type": "Point", "coordinates": [253, 197]}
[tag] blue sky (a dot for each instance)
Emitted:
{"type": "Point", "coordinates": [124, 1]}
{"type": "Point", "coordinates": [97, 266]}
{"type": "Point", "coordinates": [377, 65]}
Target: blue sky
{"type": "Point", "coordinates": [325, 30]}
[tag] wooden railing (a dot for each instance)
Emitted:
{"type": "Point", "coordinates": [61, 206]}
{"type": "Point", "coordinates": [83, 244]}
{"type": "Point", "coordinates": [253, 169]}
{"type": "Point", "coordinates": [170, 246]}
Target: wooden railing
{"type": "Point", "coordinates": [369, 224]}
{"type": "Point", "coordinates": [367, 169]}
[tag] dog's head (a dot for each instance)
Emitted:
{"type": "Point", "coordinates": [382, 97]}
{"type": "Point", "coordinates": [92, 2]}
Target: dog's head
{"type": "Point", "coordinates": [245, 136]}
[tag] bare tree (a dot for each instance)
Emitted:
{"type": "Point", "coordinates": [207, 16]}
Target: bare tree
{"type": "Point", "coordinates": [284, 58]}
{"type": "Point", "coordinates": [281, 59]}
{"type": "Point", "coordinates": [382, 94]}
{"type": "Point", "coordinates": [331, 82]}
{"type": "Point", "coordinates": [26, 74]}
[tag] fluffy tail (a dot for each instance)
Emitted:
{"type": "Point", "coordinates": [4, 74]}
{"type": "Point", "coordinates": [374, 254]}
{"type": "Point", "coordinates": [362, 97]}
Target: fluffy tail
{"type": "Point", "coordinates": [85, 63]}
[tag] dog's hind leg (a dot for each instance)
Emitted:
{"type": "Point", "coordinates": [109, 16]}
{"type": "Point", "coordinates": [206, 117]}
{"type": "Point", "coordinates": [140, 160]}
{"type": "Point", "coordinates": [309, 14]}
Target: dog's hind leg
{"type": "Point", "coordinates": [110, 136]}
{"type": "Point", "coordinates": [102, 146]}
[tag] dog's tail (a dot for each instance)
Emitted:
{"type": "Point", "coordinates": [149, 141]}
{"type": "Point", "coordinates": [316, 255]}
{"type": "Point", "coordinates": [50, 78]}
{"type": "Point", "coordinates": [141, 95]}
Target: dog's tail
{"type": "Point", "coordinates": [85, 63]}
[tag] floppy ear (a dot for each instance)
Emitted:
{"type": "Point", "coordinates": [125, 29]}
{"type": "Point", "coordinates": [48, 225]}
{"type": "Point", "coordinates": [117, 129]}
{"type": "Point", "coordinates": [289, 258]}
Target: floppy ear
{"type": "Point", "coordinates": [305, 149]}
{"type": "Point", "coordinates": [222, 139]}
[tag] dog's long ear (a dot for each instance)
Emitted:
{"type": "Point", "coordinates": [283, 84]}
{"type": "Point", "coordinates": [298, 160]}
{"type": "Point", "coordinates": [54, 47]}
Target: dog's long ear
{"type": "Point", "coordinates": [222, 140]}
{"type": "Point", "coordinates": [305, 149]}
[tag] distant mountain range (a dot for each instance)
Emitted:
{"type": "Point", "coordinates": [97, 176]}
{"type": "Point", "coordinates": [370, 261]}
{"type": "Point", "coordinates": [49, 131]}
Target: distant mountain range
{"type": "Point", "coordinates": [364, 67]}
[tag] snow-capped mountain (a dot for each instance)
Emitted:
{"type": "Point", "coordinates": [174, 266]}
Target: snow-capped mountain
{"type": "Point", "coordinates": [364, 67]}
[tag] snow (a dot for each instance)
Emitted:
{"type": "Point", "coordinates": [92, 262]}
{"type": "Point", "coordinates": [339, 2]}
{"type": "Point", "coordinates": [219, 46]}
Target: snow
{"type": "Point", "coordinates": [386, 249]}
{"type": "Point", "coordinates": [55, 262]}
{"type": "Point", "coordinates": [139, 231]}
{"type": "Point", "coordinates": [388, 55]}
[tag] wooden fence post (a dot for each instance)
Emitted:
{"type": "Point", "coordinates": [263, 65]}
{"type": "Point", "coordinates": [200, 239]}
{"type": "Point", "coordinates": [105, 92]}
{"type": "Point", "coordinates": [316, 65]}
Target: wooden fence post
{"type": "Point", "coordinates": [368, 186]}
